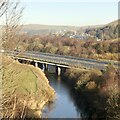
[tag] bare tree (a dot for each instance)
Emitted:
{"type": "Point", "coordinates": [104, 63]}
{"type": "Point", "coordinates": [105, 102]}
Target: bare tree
{"type": "Point", "coordinates": [12, 16]}
{"type": "Point", "coordinates": [3, 7]}
{"type": "Point", "coordinates": [2, 12]}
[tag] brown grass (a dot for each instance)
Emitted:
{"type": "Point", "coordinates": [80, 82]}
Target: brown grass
{"type": "Point", "coordinates": [25, 89]}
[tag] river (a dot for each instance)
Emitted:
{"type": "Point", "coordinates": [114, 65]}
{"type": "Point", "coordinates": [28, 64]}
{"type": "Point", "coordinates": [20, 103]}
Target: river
{"type": "Point", "coordinates": [64, 104]}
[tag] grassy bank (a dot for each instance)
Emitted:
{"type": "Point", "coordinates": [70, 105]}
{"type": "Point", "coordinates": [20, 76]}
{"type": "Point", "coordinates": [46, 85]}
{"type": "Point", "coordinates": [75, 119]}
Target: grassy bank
{"type": "Point", "coordinates": [25, 89]}
{"type": "Point", "coordinates": [99, 90]}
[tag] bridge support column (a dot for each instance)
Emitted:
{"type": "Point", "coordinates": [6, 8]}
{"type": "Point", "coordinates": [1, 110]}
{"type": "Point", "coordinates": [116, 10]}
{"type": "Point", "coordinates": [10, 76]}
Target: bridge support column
{"type": "Point", "coordinates": [17, 60]}
{"type": "Point", "coordinates": [43, 67]}
{"type": "Point", "coordinates": [36, 64]}
{"type": "Point", "coordinates": [46, 66]}
{"type": "Point", "coordinates": [58, 71]}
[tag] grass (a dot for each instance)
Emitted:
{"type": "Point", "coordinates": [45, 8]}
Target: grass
{"type": "Point", "coordinates": [22, 83]}
{"type": "Point", "coordinates": [21, 77]}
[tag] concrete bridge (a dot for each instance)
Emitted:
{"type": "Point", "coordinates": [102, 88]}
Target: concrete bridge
{"type": "Point", "coordinates": [59, 61]}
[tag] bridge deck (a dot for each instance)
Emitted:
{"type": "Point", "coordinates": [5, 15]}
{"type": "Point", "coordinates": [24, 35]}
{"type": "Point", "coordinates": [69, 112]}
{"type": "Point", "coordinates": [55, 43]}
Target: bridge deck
{"type": "Point", "coordinates": [59, 60]}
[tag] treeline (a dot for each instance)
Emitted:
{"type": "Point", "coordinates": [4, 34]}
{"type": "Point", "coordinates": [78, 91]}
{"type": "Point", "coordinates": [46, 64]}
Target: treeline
{"type": "Point", "coordinates": [100, 91]}
{"type": "Point", "coordinates": [73, 47]}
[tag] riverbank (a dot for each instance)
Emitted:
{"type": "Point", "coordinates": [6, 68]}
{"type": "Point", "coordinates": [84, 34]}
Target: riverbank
{"type": "Point", "coordinates": [25, 90]}
{"type": "Point", "coordinates": [99, 90]}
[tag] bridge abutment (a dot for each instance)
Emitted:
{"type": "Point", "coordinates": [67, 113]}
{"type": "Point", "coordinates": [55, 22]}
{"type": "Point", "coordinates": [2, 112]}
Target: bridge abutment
{"type": "Point", "coordinates": [16, 59]}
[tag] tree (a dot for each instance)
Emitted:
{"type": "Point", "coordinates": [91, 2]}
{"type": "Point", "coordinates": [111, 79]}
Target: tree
{"type": "Point", "coordinates": [3, 4]}
{"type": "Point", "coordinates": [111, 77]}
{"type": "Point", "coordinates": [11, 13]}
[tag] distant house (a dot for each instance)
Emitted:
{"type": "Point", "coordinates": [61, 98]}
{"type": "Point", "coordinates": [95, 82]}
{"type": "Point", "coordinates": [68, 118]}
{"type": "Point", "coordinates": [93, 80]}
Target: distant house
{"type": "Point", "coordinates": [98, 39]}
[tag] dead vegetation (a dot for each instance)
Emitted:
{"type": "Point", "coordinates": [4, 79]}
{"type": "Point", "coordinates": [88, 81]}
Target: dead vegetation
{"type": "Point", "coordinates": [25, 90]}
{"type": "Point", "coordinates": [99, 89]}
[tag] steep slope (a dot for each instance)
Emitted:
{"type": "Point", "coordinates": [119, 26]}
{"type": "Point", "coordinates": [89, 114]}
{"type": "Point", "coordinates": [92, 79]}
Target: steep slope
{"type": "Point", "coordinates": [25, 90]}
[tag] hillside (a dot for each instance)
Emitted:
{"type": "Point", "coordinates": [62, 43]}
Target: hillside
{"type": "Point", "coordinates": [103, 32]}
{"type": "Point", "coordinates": [107, 32]}
{"type": "Point", "coordinates": [114, 23]}
{"type": "Point", "coordinates": [46, 29]}
{"type": "Point", "coordinates": [25, 90]}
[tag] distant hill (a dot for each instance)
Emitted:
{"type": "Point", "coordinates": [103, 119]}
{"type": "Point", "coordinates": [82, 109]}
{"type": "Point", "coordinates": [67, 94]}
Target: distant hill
{"type": "Point", "coordinates": [46, 29]}
{"type": "Point", "coordinates": [114, 23]}
{"type": "Point", "coordinates": [106, 32]}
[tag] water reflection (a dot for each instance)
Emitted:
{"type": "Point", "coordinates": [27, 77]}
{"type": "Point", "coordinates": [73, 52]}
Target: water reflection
{"type": "Point", "coordinates": [64, 105]}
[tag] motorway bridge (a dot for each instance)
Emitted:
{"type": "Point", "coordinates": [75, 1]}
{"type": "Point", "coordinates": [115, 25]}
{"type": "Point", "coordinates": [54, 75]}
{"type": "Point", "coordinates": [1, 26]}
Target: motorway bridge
{"type": "Point", "coordinates": [60, 61]}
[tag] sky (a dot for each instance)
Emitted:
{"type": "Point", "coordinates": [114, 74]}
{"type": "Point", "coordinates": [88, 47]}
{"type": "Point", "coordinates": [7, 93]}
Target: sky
{"type": "Point", "coordinates": [70, 12]}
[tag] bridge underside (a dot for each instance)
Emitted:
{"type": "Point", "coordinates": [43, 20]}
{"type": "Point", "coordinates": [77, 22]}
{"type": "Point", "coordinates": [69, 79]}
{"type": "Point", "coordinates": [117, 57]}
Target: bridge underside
{"type": "Point", "coordinates": [52, 63]}
{"type": "Point", "coordinates": [51, 67]}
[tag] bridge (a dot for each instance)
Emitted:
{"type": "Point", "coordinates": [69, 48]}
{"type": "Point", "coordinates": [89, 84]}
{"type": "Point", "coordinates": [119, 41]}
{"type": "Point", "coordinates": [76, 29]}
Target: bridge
{"type": "Point", "coordinates": [59, 61]}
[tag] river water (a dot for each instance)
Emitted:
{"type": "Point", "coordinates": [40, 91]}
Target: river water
{"type": "Point", "coordinates": [64, 104]}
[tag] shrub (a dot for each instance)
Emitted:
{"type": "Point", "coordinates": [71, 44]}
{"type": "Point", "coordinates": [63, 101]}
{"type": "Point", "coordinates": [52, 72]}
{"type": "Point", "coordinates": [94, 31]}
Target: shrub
{"type": "Point", "coordinates": [91, 85]}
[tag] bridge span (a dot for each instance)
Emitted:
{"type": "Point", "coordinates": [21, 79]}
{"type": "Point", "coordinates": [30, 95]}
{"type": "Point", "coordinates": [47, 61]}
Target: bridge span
{"type": "Point", "coordinates": [60, 61]}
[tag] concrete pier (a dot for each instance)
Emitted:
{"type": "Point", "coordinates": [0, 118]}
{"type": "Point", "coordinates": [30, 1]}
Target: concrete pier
{"type": "Point", "coordinates": [36, 64]}
{"type": "Point", "coordinates": [58, 71]}
{"type": "Point", "coordinates": [46, 66]}
{"type": "Point", "coordinates": [43, 67]}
